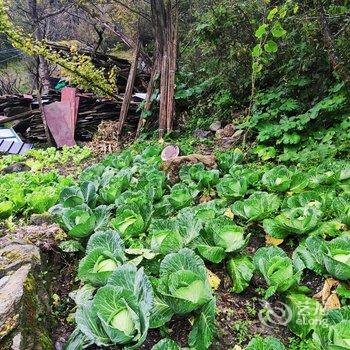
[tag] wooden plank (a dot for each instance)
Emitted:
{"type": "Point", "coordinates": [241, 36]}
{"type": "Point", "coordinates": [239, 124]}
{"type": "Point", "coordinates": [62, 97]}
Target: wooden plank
{"type": "Point", "coordinates": [57, 116]}
{"type": "Point", "coordinates": [69, 96]}
{"type": "Point", "coordinates": [129, 87]}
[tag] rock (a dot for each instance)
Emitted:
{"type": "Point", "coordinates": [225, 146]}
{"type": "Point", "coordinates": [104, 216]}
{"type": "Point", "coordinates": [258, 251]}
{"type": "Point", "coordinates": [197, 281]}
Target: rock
{"type": "Point", "coordinates": [44, 236]}
{"type": "Point", "coordinates": [16, 168]}
{"type": "Point", "coordinates": [237, 135]}
{"type": "Point", "coordinates": [202, 134]}
{"type": "Point", "coordinates": [215, 126]}
{"type": "Point", "coordinates": [41, 219]}
{"type": "Point", "coordinates": [229, 130]}
{"type": "Point", "coordinates": [24, 306]}
{"type": "Point", "coordinates": [219, 134]}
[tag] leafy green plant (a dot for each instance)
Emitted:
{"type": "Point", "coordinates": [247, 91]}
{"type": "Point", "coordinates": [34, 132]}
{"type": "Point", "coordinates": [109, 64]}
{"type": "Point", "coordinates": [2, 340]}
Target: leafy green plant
{"type": "Point", "coordinates": [118, 313]}
{"type": "Point", "coordinates": [221, 236]}
{"type": "Point", "coordinates": [268, 343]}
{"type": "Point", "coordinates": [278, 179]}
{"type": "Point", "coordinates": [231, 188]}
{"type": "Point", "coordinates": [240, 269]}
{"type": "Point", "coordinates": [128, 221]}
{"type": "Point", "coordinates": [306, 314]}
{"type": "Point", "coordinates": [81, 221]}
{"type": "Point", "coordinates": [310, 254]}
{"type": "Point", "coordinates": [104, 253]}
{"type": "Point", "coordinates": [337, 258]}
{"type": "Point", "coordinates": [258, 206]}
{"type": "Point", "coordinates": [166, 344]}
{"type": "Point", "coordinates": [341, 208]}
{"type": "Point", "coordinates": [293, 221]}
{"type": "Point", "coordinates": [180, 196]}
{"type": "Point", "coordinates": [184, 287]}
{"type": "Point", "coordinates": [226, 160]}
{"type": "Point", "coordinates": [277, 269]}
{"type": "Point", "coordinates": [333, 330]}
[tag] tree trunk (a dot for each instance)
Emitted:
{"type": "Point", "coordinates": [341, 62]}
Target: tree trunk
{"type": "Point", "coordinates": [150, 91]}
{"type": "Point", "coordinates": [43, 69]}
{"type": "Point", "coordinates": [328, 39]}
{"type": "Point", "coordinates": [165, 32]}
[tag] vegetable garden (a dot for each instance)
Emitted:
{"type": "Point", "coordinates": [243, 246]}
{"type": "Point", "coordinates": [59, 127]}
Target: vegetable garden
{"type": "Point", "coordinates": [161, 262]}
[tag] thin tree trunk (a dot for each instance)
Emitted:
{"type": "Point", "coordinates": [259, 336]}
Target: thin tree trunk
{"type": "Point", "coordinates": [43, 68]}
{"type": "Point", "coordinates": [172, 68]}
{"type": "Point", "coordinates": [129, 88]}
{"type": "Point", "coordinates": [43, 117]}
{"type": "Point", "coordinates": [328, 39]}
{"type": "Point", "coordinates": [150, 91]}
{"type": "Point", "coordinates": [165, 28]}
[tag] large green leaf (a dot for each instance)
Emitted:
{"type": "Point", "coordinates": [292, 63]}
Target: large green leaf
{"type": "Point", "coordinates": [240, 270]}
{"type": "Point", "coordinates": [161, 313]}
{"type": "Point", "coordinates": [90, 325]}
{"type": "Point", "coordinates": [258, 206]}
{"type": "Point", "coordinates": [202, 333]}
{"type": "Point", "coordinates": [309, 254]}
{"type": "Point", "coordinates": [166, 344]}
{"type": "Point", "coordinates": [268, 343]}
{"type": "Point", "coordinates": [97, 266]}
{"type": "Point", "coordinates": [108, 240]}
{"type": "Point", "coordinates": [306, 314]}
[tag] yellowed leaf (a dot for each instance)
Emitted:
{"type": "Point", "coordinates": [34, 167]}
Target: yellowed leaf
{"type": "Point", "coordinates": [213, 279]}
{"type": "Point", "coordinates": [237, 347]}
{"type": "Point", "coordinates": [204, 199]}
{"type": "Point", "coordinates": [229, 213]}
{"type": "Point", "coordinates": [332, 302]}
{"type": "Point", "coordinates": [273, 241]}
{"type": "Point", "coordinates": [325, 293]}
{"type": "Point", "coordinates": [191, 320]}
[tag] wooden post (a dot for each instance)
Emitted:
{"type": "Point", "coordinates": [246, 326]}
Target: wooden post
{"type": "Point", "coordinates": [129, 88]}
{"type": "Point", "coordinates": [172, 43]}
{"type": "Point", "coordinates": [41, 108]}
{"type": "Point", "coordinates": [150, 90]}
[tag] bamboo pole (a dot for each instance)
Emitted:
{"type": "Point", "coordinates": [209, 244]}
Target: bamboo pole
{"type": "Point", "coordinates": [129, 88]}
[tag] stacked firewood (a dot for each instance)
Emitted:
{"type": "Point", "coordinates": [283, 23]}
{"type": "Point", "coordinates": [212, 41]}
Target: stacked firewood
{"type": "Point", "coordinates": [24, 114]}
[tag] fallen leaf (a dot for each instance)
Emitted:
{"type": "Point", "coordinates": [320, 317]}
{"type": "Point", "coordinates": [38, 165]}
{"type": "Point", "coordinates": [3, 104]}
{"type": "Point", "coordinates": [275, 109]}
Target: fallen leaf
{"type": "Point", "coordinates": [237, 347]}
{"type": "Point", "coordinates": [213, 279]}
{"type": "Point", "coordinates": [273, 241]}
{"type": "Point", "coordinates": [204, 199]}
{"type": "Point", "coordinates": [332, 302]}
{"type": "Point", "coordinates": [229, 213]}
{"type": "Point", "coordinates": [325, 293]}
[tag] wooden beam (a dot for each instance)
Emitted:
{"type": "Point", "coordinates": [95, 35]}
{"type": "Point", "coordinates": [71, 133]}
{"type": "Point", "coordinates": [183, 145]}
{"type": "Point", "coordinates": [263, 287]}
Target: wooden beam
{"type": "Point", "coordinates": [129, 88]}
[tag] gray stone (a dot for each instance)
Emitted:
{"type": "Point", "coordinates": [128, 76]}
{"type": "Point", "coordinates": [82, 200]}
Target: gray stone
{"type": "Point", "coordinates": [201, 134]}
{"type": "Point", "coordinates": [229, 130]}
{"type": "Point", "coordinates": [215, 126]}
{"type": "Point", "coordinates": [238, 134]}
{"type": "Point", "coordinates": [24, 307]}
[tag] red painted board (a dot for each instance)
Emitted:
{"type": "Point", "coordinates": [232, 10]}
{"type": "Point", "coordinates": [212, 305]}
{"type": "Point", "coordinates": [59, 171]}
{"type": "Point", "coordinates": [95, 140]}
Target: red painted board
{"type": "Point", "coordinates": [57, 118]}
{"type": "Point", "coordinates": [68, 95]}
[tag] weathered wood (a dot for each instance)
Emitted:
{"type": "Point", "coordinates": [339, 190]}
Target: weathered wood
{"type": "Point", "coordinates": [43, 118]}
{"type": "Point", "coordinates": [172, 42]}
{"type": "Point", "coordinates": [164, 18]}
{"type": "Point", "coordinates": [129, 88]}
{"type": "Point", "coordinates": [150, 91]}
